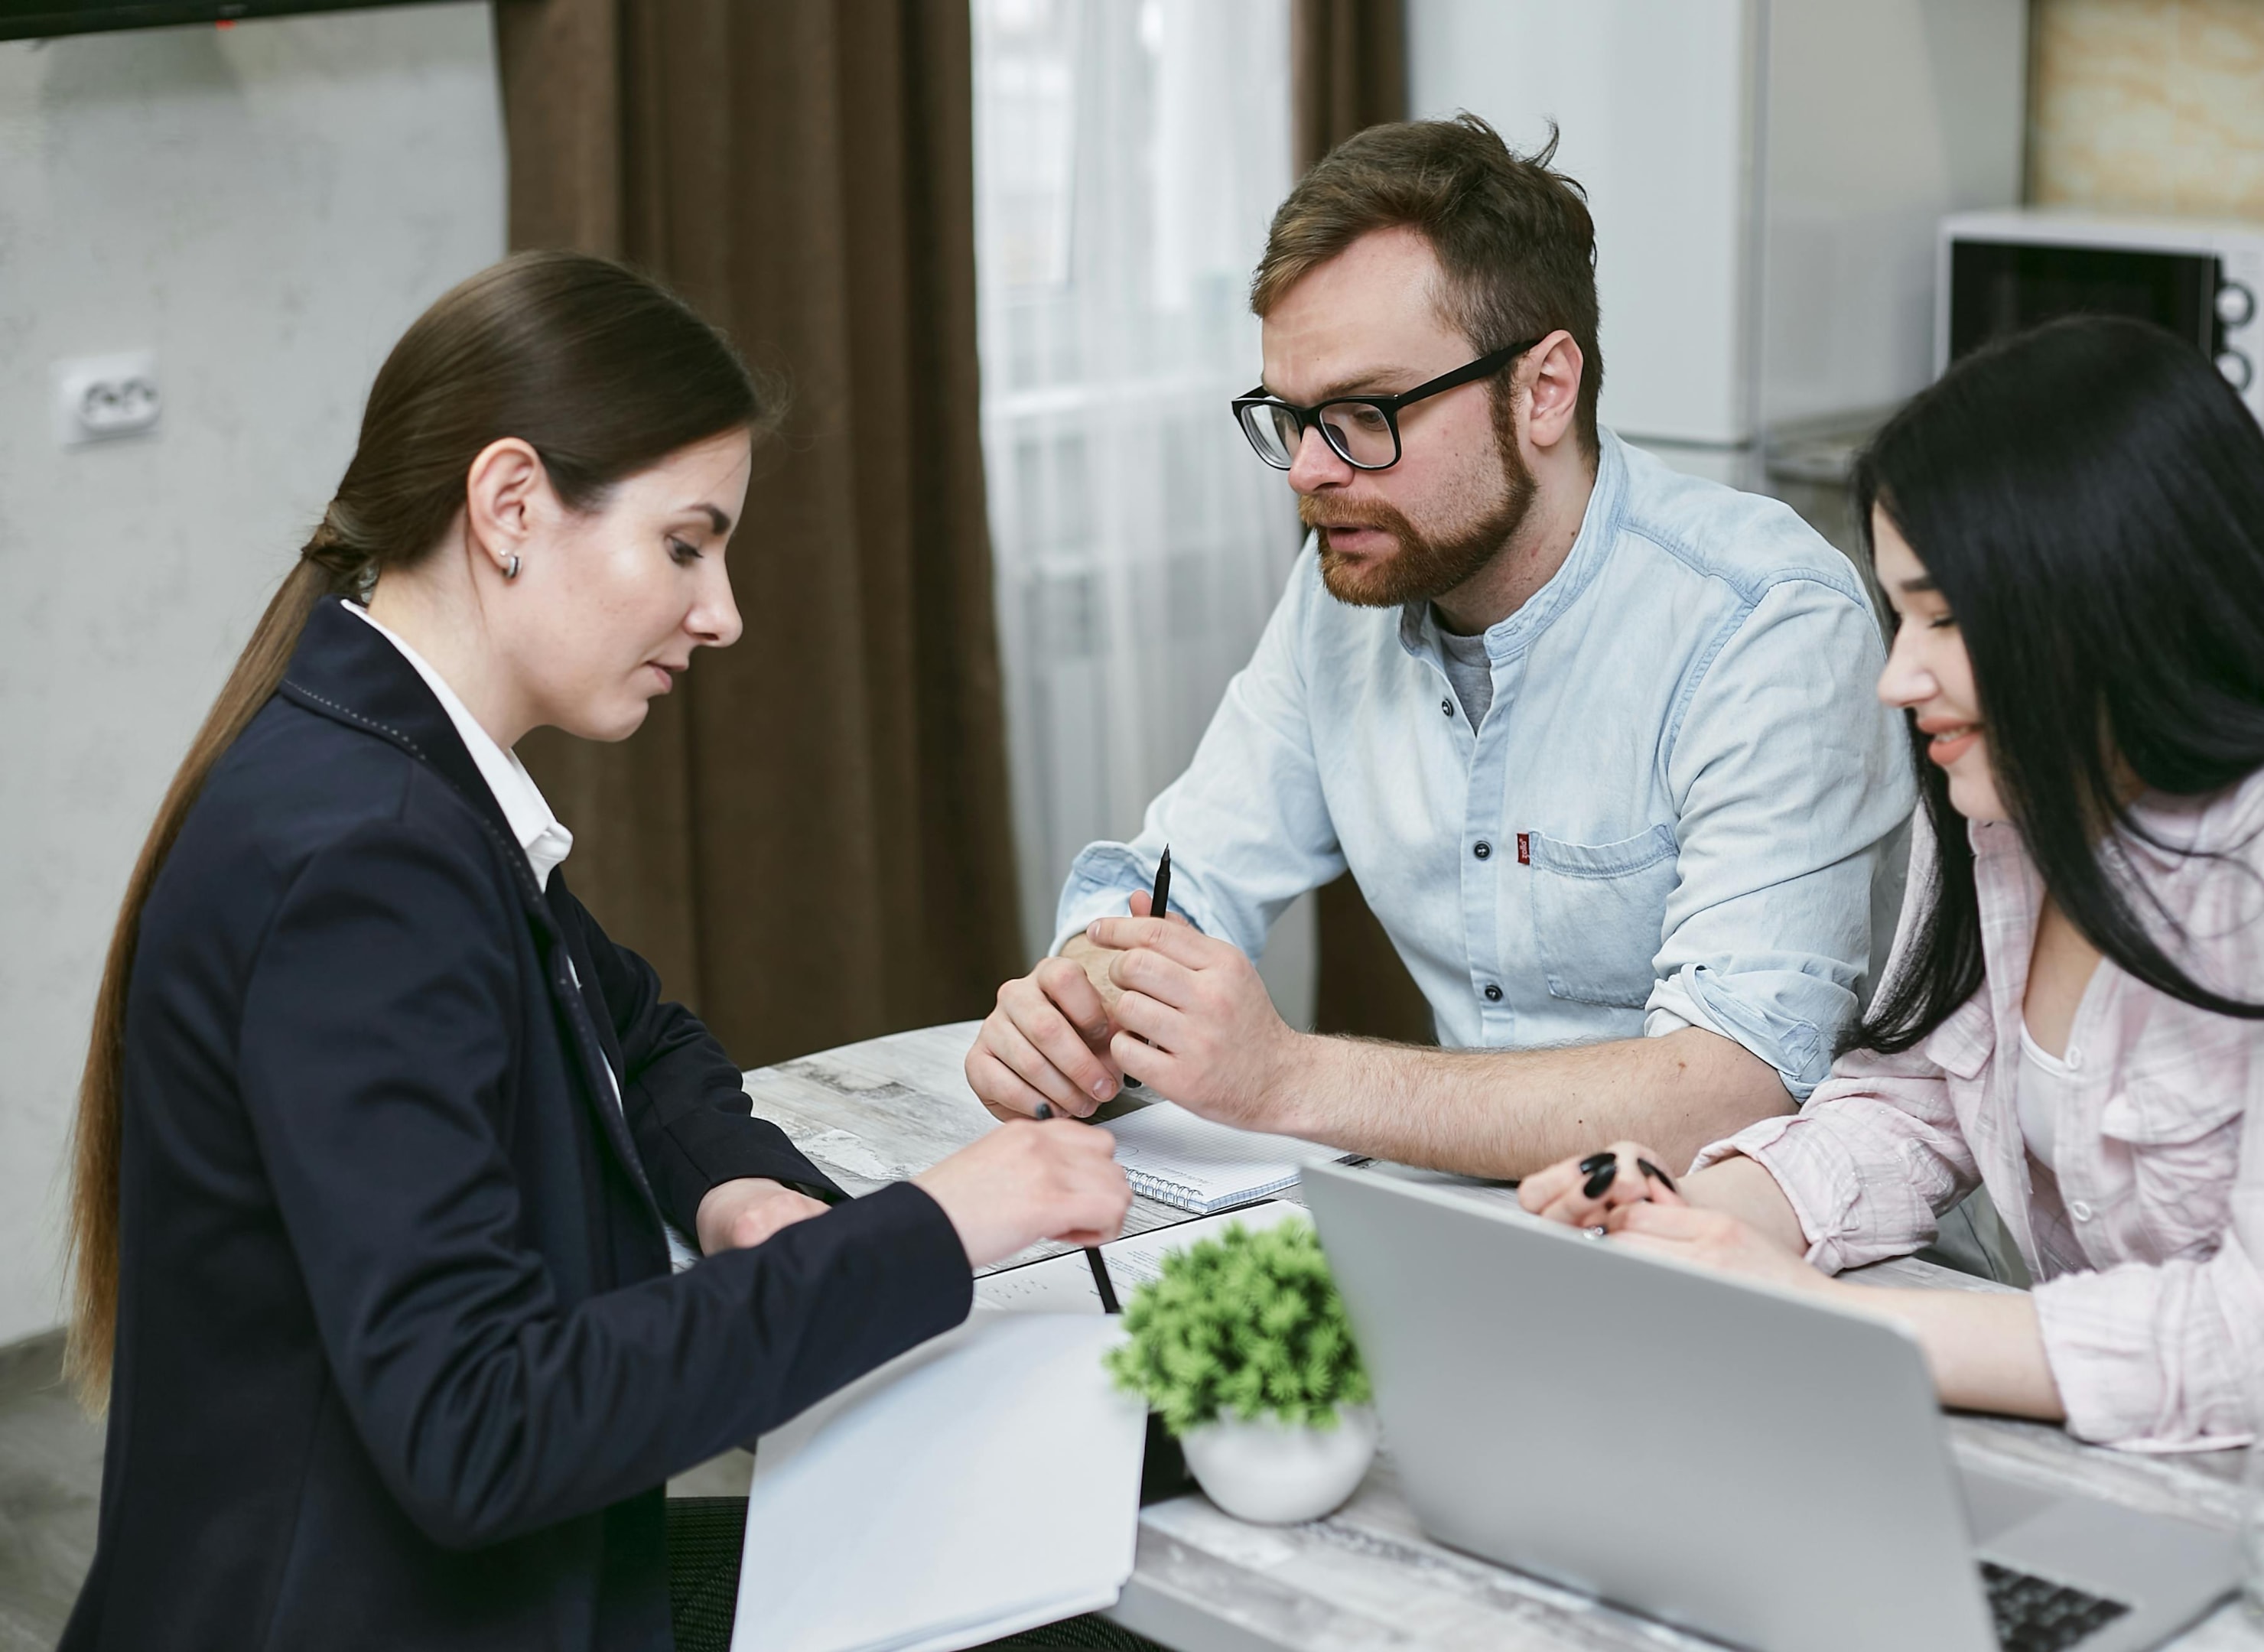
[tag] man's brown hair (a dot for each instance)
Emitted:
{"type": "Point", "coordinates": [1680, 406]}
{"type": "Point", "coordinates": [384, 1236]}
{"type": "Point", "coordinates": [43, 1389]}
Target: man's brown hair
{"type": "Point", "coordinates": [1515, 245]}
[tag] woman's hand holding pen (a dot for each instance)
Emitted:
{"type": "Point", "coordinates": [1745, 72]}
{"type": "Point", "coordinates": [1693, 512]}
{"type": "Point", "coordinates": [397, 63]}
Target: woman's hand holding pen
{"type": "Point", "coordinates": [1623, 1194]}
{"type": "Point", "coordinates": [1026, 1181]}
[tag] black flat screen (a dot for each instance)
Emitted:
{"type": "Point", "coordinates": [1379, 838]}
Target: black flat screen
{"type": "Point", "coordinates": [2000, 287]}
{"type": "Point", "coordinates": [39, 20]}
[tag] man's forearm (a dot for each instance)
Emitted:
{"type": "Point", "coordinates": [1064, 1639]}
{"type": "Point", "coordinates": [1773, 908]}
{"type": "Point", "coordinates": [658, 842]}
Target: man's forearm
{"type": "Point", "coordinates": [1507, 1112]}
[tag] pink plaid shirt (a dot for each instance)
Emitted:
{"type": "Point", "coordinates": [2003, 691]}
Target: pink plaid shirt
{"type": "Point", "coordinates": [2148, 1245]}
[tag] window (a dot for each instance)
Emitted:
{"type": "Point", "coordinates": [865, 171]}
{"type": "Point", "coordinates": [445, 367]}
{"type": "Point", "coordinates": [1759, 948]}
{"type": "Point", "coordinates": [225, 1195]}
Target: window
{"type": "Point", "coordinates": [1128, 154]}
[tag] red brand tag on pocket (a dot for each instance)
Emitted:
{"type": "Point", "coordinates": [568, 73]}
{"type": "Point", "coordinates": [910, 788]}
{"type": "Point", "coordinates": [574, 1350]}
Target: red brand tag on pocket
{"type": "Point", "coordinates": [1524, 849]}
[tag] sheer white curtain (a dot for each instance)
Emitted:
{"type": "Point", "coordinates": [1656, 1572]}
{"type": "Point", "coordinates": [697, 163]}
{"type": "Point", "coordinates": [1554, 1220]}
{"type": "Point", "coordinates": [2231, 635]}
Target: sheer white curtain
{"type": "Point", "coordinates": [1129, 154]}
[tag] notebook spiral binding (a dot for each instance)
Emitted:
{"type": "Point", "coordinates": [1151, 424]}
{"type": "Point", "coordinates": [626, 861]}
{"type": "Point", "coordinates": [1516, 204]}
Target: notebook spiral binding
{"type": "Point", "coordinates": [1182, 1196]}
{"type": "Point", "coordinates": [1163, 1188]}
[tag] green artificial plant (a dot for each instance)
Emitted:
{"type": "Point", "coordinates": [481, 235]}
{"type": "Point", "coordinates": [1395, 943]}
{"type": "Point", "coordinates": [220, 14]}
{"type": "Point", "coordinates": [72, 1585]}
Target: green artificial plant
{"type": "Point", "coordinates": [1248, 1322]}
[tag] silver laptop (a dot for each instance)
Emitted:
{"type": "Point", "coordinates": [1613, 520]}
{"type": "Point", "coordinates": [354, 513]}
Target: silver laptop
{"type": "Point", "coordinates": [1764, 1469]}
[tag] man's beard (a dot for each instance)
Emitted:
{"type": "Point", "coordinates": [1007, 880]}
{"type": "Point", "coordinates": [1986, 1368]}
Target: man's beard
{"type": "Point", "coordinates": [1421, 568]}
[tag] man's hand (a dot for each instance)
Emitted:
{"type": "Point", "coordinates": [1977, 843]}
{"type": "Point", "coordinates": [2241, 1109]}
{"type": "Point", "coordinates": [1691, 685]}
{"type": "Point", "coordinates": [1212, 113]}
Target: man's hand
{"type": "Point", "coordinates": [739, 1215]}
{"type": "Point", "coordinates": [1048, 1038]}
{"type": "Point", "coordinates": [1196, 1022]}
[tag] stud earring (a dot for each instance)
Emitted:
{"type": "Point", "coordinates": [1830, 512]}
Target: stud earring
{"type": "Point", "coordinates": [511, 568]}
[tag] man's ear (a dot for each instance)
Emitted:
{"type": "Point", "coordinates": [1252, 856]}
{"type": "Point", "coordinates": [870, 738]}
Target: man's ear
{"type": "Point", "coordinates": [1553, 408]}
{"type": "Point", "coordinates": [505, 492]}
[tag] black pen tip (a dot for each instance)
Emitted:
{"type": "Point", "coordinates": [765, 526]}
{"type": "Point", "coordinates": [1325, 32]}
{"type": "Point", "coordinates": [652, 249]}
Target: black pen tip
{"type": "Point", "coordinates": [1042, 1111]}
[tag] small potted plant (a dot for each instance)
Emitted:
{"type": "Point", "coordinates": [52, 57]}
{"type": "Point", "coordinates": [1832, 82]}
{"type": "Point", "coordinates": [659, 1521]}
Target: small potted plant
{"type": "Point", "coordinates": [1243, 1348]}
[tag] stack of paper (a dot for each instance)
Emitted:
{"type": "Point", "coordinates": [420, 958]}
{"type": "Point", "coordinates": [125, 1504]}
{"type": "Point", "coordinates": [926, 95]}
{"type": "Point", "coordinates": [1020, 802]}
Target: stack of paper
{"type": "Point", "coordinates": [1178, 1158]}
{"type": "Point", "coordinates": [985, 1483]}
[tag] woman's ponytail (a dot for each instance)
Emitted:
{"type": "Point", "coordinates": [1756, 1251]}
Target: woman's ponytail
{"type": "Point", "coordinates": [92, 1243]}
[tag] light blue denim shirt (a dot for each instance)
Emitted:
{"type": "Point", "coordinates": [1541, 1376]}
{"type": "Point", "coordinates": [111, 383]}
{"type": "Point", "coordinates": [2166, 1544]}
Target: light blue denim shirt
{"type": "Point", "coordinates": [1670, 817]}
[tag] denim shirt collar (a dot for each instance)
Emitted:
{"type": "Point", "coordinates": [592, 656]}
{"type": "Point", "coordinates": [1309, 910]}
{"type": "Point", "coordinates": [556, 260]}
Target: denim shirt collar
{"type": "Point", "coordinates": [1600, 527]}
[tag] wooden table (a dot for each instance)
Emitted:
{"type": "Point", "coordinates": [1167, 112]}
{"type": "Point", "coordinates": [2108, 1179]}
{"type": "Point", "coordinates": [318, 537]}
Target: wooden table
{"type": "Point", "coordinates": [1366, 1576]}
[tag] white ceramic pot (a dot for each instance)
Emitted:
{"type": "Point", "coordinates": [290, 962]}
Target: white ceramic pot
{"type": "Point", "coordinates": [1267, 1471]}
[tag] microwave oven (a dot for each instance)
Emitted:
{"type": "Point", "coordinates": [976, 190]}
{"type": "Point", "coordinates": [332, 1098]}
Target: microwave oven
{"type": "Point", "coordinates": [2001, 272]}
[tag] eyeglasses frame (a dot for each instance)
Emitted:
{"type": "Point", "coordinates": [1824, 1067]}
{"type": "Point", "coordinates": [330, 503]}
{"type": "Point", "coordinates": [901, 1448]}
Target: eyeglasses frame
{"type": "Point", "coordinates": [1484, 367]}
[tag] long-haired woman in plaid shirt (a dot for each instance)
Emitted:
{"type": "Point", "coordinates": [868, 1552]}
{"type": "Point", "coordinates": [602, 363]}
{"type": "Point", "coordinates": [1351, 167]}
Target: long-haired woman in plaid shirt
{"type": "Point", "coordinates": [2070, 530]}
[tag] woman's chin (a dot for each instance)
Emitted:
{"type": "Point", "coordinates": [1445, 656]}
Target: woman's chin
{"type": "Point", "coordinates": [1974, 795]}
{"type": "Point", "coordinates": [607, 724]}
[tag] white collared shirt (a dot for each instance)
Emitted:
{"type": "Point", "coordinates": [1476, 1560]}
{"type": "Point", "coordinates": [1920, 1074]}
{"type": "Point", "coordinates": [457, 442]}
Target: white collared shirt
{"type": "Point", "coordinates": [546, 843]}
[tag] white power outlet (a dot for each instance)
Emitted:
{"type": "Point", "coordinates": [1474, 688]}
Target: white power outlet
{"type": "Point", "coordinates": [101, 398]}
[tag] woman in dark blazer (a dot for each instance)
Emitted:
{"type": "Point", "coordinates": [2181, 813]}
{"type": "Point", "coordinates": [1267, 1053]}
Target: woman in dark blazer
{"type": "Point", "coordinates": [380, 1132]}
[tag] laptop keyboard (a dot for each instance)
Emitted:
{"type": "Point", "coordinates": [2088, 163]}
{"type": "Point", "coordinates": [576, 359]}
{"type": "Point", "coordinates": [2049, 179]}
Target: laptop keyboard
{"type": "Point", "coordinates": [2032, 1614]}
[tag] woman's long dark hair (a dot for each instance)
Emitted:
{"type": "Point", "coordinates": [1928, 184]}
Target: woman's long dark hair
{"type": "Point", "coordinates": [599, 370]}
{"type": "Point", "coordinates": [2089, 499]}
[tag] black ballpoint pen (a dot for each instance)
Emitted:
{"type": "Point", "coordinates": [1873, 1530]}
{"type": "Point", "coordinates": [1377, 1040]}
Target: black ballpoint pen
{"type": "Point", "coordinates": [1159, 905]}
{"type": "Point", "coordinates": [1100, 1280]}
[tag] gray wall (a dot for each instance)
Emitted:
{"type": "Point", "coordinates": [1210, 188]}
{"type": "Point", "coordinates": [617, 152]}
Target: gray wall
{"type": "Point", "coordinates": [266, 207]}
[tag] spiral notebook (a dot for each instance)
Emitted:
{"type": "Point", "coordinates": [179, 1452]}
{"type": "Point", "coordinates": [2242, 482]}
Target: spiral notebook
{"type": "Point", "coordinates": [1176, 1158]}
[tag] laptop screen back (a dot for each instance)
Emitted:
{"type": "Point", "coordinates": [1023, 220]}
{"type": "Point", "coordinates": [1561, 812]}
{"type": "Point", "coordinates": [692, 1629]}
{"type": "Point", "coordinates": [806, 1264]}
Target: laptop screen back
{"type": "Point", "coordinates": [1726, 1456]}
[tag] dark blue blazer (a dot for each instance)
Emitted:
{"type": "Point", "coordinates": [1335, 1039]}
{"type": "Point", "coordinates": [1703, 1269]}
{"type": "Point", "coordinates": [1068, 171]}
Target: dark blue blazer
{"type": "Point", "coordinates": [400, 1360]}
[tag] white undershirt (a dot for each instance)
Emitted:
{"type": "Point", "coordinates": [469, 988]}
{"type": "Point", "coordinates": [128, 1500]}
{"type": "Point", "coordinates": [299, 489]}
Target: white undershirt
{"type": "Point", "coordinates": [545, 842]}
{"type": "Point", "coordinates": [2039, 1087]}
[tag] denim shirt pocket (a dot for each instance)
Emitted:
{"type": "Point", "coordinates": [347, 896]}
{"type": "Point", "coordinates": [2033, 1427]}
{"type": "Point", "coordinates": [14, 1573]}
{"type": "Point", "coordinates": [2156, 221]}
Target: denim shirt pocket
{"type": "Point", "coordinates": [1599, 911]}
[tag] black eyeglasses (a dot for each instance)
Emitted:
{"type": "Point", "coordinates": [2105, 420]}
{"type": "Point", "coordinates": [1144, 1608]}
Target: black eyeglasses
{"type": "Point", "coordinates": [1363, 430]}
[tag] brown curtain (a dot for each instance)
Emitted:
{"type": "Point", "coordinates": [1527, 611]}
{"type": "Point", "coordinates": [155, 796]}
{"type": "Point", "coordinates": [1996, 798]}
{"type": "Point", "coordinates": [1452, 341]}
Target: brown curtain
{"type": "Point", "coordinates": [1349, 69]}
{"type": "Point", "coordinates": [810, 839]}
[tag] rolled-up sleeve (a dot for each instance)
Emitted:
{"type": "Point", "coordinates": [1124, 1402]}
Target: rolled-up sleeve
{"type": "Point", "coordinates": [1876, 1154]}
{"type": "Point", "coordinates": [1868, 1163]}
{"type": "Point", "coordinates": [1248, 826]}
{"type": "Point", "coordinates": [1792, 781]}
{"type": "Point", "coordinates": [2161, 1357]}
{"type": "Point", "coordinates": [2168, 1355]}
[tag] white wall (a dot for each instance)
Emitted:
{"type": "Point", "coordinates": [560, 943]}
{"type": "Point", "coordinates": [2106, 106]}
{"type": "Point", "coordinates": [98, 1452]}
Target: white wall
{"type": "Point", "coordinates": [1882, 118]}
{"type": "Point", "coordinates": [1652, 101]}
{"type": "Point", "coordinates": [1765, 176]}
{"type": "Point", "coordinates": [266, 207]}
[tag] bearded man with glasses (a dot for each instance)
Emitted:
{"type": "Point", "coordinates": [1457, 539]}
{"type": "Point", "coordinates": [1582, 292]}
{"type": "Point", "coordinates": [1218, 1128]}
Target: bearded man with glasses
{"type": "Point", "coordinates": [1596, 739]}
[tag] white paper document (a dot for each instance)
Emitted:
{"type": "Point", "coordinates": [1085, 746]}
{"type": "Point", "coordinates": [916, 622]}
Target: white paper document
{"type": "Point", "coordinates": [985, 1483]}
{"type": "Point", "coordinates": [1064, 1284]}
{"type": "Point", "coordinates": [1174, 1156]}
